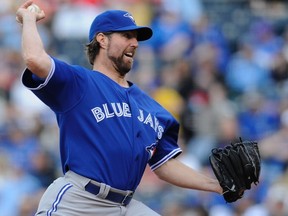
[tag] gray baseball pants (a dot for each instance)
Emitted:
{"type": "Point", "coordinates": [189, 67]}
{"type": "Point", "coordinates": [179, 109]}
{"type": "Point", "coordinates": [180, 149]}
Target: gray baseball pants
{"type": "Point", "coordinates": [67, 196]}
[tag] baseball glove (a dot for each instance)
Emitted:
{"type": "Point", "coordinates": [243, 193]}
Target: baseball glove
{"type": "Point", "coordinates": [236, 166]}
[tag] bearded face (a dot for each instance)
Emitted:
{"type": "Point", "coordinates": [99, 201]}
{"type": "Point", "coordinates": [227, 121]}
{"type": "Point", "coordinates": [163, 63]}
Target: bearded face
{"type": "Point", "coordinates": [121, 50]}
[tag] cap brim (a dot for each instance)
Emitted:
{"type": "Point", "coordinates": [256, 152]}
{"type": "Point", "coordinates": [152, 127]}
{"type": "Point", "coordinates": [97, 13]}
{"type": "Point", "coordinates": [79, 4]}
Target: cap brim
{"type": "Point", "coordinates": [143, 33]}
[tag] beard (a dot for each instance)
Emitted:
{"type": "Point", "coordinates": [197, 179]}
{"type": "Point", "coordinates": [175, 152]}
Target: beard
{"type": "Point", "coordinates": [120, 65]}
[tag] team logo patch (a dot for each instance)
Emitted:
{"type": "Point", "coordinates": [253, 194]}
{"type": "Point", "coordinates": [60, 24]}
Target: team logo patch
{"type": "Point", "coordinates": [151, 149]}
{"type": "Point", "coordinates": [128, 15]}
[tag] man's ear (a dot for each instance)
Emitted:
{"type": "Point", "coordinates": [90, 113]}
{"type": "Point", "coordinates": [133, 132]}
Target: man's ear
{"type": "Point", "coordinates": [102, 40]}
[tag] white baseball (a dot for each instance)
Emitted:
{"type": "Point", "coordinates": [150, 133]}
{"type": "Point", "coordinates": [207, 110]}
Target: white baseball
{"type": "Point", "coordinates": [34, 8]}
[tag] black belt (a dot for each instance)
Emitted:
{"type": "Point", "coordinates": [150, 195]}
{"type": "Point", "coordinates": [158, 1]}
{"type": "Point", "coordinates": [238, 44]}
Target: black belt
{"type": "Point", "coordinates": [111, 196]}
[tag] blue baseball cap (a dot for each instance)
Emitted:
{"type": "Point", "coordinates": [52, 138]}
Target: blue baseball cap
{"type": "Point", "coordinates": [117, 21]}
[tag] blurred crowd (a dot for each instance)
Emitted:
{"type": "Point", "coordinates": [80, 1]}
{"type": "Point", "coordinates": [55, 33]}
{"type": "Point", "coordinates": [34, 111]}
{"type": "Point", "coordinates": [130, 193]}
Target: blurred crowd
{"type": "Point", "coordinates": [219, 66]}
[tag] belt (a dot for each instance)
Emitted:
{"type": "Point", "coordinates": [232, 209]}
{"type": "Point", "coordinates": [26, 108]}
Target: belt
{"type": "Point", "coordinates": [112, 195]}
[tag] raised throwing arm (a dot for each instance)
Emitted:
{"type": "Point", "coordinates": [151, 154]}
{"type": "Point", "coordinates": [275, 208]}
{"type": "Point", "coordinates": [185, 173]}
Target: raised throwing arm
{"type": "Point", "coordinates": [33, 52]}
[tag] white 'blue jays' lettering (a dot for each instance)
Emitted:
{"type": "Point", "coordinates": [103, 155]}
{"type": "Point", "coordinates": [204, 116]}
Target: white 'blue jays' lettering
{"type": "Point", "coordinates": [123, 110]}
{"type": "Point", "coordinates": [118, 110]}
{"type": "Point", "coordinates": [154, 123]}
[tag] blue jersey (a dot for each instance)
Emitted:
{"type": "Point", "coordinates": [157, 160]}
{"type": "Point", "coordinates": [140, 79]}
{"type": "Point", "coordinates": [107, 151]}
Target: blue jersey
{"type": "Point", "coordinates": [107, 132]}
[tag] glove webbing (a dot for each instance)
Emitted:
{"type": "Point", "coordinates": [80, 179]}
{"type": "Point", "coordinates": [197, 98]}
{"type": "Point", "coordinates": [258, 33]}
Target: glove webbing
{"type": "Point", "coordinates": [252, 149]}
{"type": "Point", "coordinates": [247, 165]}
{"type": "Point", "coordinates": [229, 157]}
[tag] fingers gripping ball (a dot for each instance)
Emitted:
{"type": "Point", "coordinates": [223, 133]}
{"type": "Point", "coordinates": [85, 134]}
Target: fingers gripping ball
{"type": "Point", "coordinates": [34, 8]}
{"type": "Point", "coordinates": [236, 167]}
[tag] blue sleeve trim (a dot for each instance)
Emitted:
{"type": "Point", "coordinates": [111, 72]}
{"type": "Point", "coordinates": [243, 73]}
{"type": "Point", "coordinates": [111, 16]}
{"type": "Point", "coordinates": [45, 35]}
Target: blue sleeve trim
{"type": "Point", "coordinates": [33, 84]}
{"type": "Point", "coordinates": [172, 154]}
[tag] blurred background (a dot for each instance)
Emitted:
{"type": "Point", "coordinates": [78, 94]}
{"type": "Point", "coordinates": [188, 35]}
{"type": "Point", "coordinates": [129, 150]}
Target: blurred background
{"type": "Point", "coordinates": [219, 66]}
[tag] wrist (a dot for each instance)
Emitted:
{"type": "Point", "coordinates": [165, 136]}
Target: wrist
{"type": "Point", "coordinates": [29, 17]}
{"type": "Point", "coordinates": [218, 188]}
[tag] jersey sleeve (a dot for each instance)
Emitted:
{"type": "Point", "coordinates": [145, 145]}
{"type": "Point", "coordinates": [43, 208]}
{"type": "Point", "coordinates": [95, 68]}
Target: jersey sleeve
{"type": "Point", "coordinates": [63, 87]}
{"type": "Point", "coordinates": [33, 82]}
{"type": "Point", "coordinates": [166, 148]}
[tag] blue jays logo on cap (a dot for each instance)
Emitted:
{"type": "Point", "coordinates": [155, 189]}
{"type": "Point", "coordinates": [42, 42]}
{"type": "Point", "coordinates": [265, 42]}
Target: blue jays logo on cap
{"type": "Point", "coordinates": [116, 21]}
{"type": "Point", "coordinates": [130, 16]}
